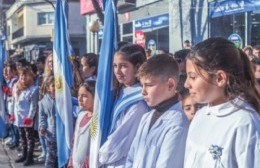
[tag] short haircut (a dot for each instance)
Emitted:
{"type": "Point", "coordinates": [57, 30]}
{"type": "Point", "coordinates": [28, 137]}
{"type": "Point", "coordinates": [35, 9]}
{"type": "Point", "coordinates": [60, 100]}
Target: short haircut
{"type": "Point", "coordinates": [161, 65]}
{"type": "Point", "coordinates": [181, 55]}
{"type": "Point", "coordinates": [256, 47]}
{"type": "Point", "coordinates": [187, 41]}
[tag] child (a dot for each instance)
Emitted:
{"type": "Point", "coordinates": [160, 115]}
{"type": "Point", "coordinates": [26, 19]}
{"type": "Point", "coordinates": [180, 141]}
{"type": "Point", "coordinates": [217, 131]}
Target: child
{"type": "Point", "coordinates": [256, 65]}
{"type": "Point", "coordinates": [47, 122]}
{"type": "Point", "coordinates": [11, 78]}
{"type": "Point", "coordinates": [161, 135]}
{"type": "Point", "coordinates": [81, 146]}
{"type": "Point", "coordinates": [189, 106]}
{"type": "Point", "coordinates": [128, 108]}
{"type": "Point", "coordinates": [25, 101]}
{"type": "Point", "coordinates": [226, 132]}
{"type": "Point", "coordinates": [89, 63]}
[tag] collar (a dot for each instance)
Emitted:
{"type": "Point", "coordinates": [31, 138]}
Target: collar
{"type": "Point", "coordinates": [225, 108]}
{"type": "Point", "coordinates": [165, 105]}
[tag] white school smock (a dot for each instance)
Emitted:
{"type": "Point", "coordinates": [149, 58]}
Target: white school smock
{"type": "Point", "coordinates": [164, 145]}
{"type": "Point", "coordinates": [224, 136]}
{"type": "Point", "coordinates": [114, 151]}
{"type": "Point", "coordinates": [81, 145]}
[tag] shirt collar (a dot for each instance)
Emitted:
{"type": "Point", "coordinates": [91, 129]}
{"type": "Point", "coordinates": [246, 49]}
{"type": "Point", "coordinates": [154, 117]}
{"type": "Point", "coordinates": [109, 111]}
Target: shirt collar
{"type": "Point", "coordinates": [224, 108]}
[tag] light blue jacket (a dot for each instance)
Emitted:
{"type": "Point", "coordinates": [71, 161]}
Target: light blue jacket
{"type": "Point", "coordinates": [26, 105]}
{"type": "Point", "coordinates": [164, 145]}
{"type": "Point", "coordinates": [47, 116]}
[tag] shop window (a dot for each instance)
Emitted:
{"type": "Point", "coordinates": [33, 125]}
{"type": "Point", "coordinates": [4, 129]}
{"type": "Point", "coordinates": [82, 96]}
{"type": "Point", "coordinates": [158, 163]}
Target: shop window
{"type": "Point", "coordinates": [255, 29]}
{"type": "Point", "coordinates": [226, 25]}
{"type": "Point", "coordinates": [158, 40]}
{"type": "Point", "coordinates": [128, 28]}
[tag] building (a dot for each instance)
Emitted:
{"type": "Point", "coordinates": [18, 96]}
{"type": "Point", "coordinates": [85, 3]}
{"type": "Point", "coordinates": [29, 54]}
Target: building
{"type": "Point", "coordinates": [166, 24]}
{"type": "Point", "coordinates": [30, 27]}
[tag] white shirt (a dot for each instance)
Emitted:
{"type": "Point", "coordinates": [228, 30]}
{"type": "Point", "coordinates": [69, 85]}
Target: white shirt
{"type": "Point", "coordinates": [162, 146]}
{"type": "Point", "coordinates": [231, 131]}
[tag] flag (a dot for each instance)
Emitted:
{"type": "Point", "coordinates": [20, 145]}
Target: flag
{"type": "Point", "coordinates": [2, 108]}
{"type": "Point", "coordinates": [103, 104]}
{"type": "Point", "coordinates": [62, 52]}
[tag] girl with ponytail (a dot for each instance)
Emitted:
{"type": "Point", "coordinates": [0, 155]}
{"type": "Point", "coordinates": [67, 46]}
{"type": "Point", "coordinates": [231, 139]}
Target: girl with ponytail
{"type": "Point", "coordinates": [226, 132]}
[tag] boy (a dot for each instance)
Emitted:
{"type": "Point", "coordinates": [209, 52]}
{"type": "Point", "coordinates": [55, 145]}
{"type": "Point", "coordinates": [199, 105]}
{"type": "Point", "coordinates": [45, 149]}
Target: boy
{"type": "Point", "coordinates": [161, 136]}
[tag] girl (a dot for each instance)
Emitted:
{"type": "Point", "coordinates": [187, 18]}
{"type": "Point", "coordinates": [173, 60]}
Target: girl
{"type": "Point", "coordinates": [189, 106]}
{"type": "Point", "coordinates": [89, 63]}
{"type": "Point", "coordinates": [226, 132]}
{"type": "Point", "coordinates": [128, 108]}
{"type": "Point", "coordinates": [25, 100]}
{"type": "Point", "coordinates": [47, 122]}
{"type": "Point", "coordinates": [81, 146]}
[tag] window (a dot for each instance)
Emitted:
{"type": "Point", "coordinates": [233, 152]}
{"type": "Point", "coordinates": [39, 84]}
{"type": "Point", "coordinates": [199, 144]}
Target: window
{"type": "Point", "coordinates": [46, 18]}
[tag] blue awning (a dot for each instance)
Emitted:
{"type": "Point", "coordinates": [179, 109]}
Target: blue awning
{"type": "Point", "coordinates": [229, 7]}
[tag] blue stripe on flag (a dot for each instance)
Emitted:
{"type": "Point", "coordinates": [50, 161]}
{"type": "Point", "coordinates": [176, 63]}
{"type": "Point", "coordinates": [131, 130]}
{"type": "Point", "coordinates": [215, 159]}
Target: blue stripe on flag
{"type": "Point", "coordinates": [104, 86]}
{"type": "Point", "coordinates": [2, 108]}
{"type": "Point", "coordinates": [62, 50]}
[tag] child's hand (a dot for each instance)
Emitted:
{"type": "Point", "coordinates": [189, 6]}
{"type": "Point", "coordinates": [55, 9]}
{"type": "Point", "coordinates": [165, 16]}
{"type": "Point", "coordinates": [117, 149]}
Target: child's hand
{"type": "Point", "coordinates": [27, 121]}
{"type": "Point", "coordinates": [42, 132]}
{"type": "Point", "coordinates": [11, 118]}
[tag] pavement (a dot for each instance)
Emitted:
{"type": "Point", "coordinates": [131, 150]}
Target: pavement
{"type": "Point", "coordinates": [7, 157]}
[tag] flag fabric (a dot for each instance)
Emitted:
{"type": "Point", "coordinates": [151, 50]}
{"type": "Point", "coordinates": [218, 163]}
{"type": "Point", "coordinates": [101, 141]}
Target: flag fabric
{"type": "Point", "coordinates": [2, 108]}
{"type": "Point", "coordinates": [62, 52]}
{"type": "Point", "coordinates": [103, 104]}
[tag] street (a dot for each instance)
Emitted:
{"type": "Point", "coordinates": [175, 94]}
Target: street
{"type": "Point", "coordinates": [7, 158]}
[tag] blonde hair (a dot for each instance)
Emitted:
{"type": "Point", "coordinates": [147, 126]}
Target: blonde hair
{"type": "Point", "coordinates": [47, 70]}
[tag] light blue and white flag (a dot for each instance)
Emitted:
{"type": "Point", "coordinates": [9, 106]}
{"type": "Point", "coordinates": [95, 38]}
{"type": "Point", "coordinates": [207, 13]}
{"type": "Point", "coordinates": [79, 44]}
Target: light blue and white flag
{"type": "Point", "coordinates": [2, 108]}
{"type": "Point", "coordinates": [62, 52]}
{"type": "Point", "coordinates": [100, 123]}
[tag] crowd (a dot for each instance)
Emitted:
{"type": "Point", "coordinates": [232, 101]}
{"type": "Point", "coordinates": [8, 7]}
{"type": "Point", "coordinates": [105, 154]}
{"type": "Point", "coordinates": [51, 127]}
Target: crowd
{"type": "Point", "coordinates": [198, 107]}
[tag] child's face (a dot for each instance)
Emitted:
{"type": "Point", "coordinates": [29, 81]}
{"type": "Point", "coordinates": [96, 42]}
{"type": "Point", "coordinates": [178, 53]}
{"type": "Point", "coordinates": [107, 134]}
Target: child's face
{"type": "Point", "coordinates": [24, 78]}
{"type": "Point", "coordinates": [51, 89]}
{"type": "Point", "coordinates": [155, 90]}
{"type": "Point", "coordinates": [189, 106]}
{"type": "Point", "coordinates": [85, 99]}
{"type": "Point", "coordinates": [9, 73]}
{"type": "Point", "coordinates": [50, 63]}
{"type": "Point", "coordinates": [86, 70]}
{"type": "Point", "coordinates": [203, 89]}
{"type": "Point", "coordinates": [124, 70]}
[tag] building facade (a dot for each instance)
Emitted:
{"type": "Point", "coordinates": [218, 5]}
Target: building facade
{"type": "Point", "coordinates": [30, 27]}
{"type": "Point", "coordinates": [166, 24]}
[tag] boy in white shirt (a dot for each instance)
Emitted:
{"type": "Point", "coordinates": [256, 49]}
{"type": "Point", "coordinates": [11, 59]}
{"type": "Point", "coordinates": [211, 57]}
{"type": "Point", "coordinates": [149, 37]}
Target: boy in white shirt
{"type": "Point", "coordinates": [161, 136]}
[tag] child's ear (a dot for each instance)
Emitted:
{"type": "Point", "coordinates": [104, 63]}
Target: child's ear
{"type": "Point", "coordinates": [221, 78]}
{"type": "Point", "coordinates": [171, 84]}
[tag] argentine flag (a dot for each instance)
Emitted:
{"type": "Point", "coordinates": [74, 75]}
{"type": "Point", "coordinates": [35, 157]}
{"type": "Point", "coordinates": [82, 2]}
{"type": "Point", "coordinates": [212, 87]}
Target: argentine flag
{"type": "Point", "coordinates": [2, 108]}
{"type": "Point", "coordinates": [101, 120]}
{"type": "Point", "coordinates": [63, 80]}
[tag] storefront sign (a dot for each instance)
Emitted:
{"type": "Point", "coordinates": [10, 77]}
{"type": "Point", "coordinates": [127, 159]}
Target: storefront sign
{"type": "Point", "coordinates": [140, 38]}
{"type": "Point", "coordinates": [152, 22]}
{"type": "Point", "coordinates": [229, 7]}
{"type": "Point", "coordinates": [236, 39]}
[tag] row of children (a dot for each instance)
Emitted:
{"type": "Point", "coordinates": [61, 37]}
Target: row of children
{"type": "Point", "coordinates": [224, 133]}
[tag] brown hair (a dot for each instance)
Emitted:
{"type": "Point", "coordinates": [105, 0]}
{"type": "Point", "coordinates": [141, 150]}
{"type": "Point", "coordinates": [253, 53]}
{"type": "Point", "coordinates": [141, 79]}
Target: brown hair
{"type": "Point", "coordinates": [22, 86]}
{"type": "Point", "coordinates": [161, 65]}
{"type": "Point", "coordinates": [220, 54]}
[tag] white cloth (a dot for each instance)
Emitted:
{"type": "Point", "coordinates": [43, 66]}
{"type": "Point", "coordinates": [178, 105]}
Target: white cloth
{"type": "Point", "coordinates": [232, 129]}
{"type": "Point", "coordinates": [164, 145]}
{"type": "Point", "coordinates": [81, 145]}
{"type": "Point", "coordinates": [114, 151]}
